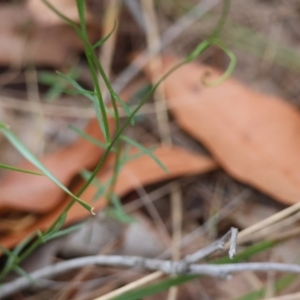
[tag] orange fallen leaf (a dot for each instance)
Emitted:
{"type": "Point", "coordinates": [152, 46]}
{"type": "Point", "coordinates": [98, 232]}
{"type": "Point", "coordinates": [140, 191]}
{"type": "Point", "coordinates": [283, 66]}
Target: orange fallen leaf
{"type": "Point", "coordinates": [253, 136]}
{"type": "Point", "coordinates": [44, 15]}
{"type": "Point", "coordinates": [22, 41]}
{"type": "Point", "coordinates": [38, 194]}
{"type": "Point", "coordinates": [141, 171]}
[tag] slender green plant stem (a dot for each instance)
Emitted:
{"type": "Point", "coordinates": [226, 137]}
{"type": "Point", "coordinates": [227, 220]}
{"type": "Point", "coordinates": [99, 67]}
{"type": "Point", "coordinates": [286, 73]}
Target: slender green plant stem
{"type": "Point", "coordinates": [89, 51]}
{"type": "Point", "coordinates": [115, 170]}
{"type": "Point", "coordinates": [223, 18]}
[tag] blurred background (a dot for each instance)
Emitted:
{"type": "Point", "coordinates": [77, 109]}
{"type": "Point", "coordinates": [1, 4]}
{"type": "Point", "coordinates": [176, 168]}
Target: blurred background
{"type": "Point", "coordinates": [39, 107]}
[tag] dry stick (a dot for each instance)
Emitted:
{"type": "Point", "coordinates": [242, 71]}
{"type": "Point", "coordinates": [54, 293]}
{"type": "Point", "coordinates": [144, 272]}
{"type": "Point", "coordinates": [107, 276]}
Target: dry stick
{"type": "Point", "coordinates": [233, 239]}
{"type": "Point", "coordinates": [268, 222]}
{"type": "Point", "coordinates": [189, 238]}
{"type": "Point", "coordinates": [215, 246]}
{"type": "Point", "coordinates": [148, 203]}
{"type": "Point", "coordinates": [164, 266]}
{"type": "Point", "coordinates": [154, 196]}
{"type": "Point", "coordinates": [38, 144]}
{"type": "Point", "coordinates": [156, 66]}
{"type": "Point", "coordinates": [131, 286]}
{"type": "Point", "coordinates": [58, 110]}
{"type": "Point", "coordinates": [154, 276]}
{"type": "Point", "coordinates": [108, 48]}
{"type": "Point", "coordinates": [134, 7]}
{"type": "Point", "coordinates": [274, 230]}
{"type": "Point", "coordinates": [47, 109]}
{"type": "Point", "coordinates": [176, 203]}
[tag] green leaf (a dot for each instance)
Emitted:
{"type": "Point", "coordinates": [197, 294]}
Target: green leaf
{"type": "Point", "coordinates": [279, 285]}
{"type": "Point", "coordinates": [19, 170]}
{"type": "Point", "coordinates": [117, 212]}
{"type": "Point", "coordinates": [88, 137]}
{"type": "Point", "coordinates": [101, 188]}
{"type": "Point", "coordinates": [50, 236]}
{"type": "Point", "coordinates": [145, 151]}
{"type": "Point", "coordinates": [76, 92]}
{"type": "Point", "coordinates": [12, 258]}
{"type": "Point", "coordinates": [60, 223]}
{"type": "Point", "coordinates": [34, 160]}
{"type": "Point", "coordinates": [104, 39]}
{"type": "Point", "coordinates": [77, 86]}
{"type": "Point", "coordinates": [91, 96]}
{"type": "Point", "coordinates": [124, 106]}
{"type": "Point", "coordinates": [198, 50]}
{"type": "Point", "coordinates": [154, 288]}
{"type": "Point", "coordinates": [81, 12]}
{"type": "Point", "coordinates": [62, 16]}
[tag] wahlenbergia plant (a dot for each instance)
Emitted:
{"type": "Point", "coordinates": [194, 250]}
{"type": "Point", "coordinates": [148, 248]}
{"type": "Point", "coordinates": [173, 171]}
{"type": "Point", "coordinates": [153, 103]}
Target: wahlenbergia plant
{"type": "Point", "coordinates": [113, 143]}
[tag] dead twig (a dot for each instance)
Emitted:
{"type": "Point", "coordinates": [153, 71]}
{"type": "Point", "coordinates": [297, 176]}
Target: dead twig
{"type": "Point", "coordinates": [184, 266]}
{"type": "Point", "coordinates": [165, 266]}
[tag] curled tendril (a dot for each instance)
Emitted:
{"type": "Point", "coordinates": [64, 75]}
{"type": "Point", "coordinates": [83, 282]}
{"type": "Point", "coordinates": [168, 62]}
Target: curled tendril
{"type": "Point", "coordinates": [228, 71]}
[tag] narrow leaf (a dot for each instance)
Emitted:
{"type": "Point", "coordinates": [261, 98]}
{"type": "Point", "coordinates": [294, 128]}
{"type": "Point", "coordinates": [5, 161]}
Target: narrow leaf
{"type": "Point", "coordinates": [88, 137]}
{"type": "Point", "coordinates": [101, 188]}
{"type": "Point", "coordinates": [60, 222]}
{"type": "Point", "coordinates": [104, 39]}
{"type": "Point", "coordinates": [145, 150]}
{"type": "Point", "coordinates": [19, 170]}
{"type": "Point", "coordinates": [60, 233]}
{"type": "Point", "coordinates": [34, 160]}
{"type": "Point", "coordinates": [117, 212]}
{"type": "Point", "coordinates": [124, 106]}
{"type": "Point", "coordinates": [77, 86]}
{"type": "Point", "coordinates": [81, 12]}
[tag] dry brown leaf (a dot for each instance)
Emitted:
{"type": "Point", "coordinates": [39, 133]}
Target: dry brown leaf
{"type": "Point", "coordinates": [38, 194]}
{"type": "Point", "coordinates": [254, 137]}
{"type": "Point", "coordinates": [21, 40]}
{"type": "Point", "coordinates": [44, 15]}
{"type": "Point", "coordinates": [141, 171]}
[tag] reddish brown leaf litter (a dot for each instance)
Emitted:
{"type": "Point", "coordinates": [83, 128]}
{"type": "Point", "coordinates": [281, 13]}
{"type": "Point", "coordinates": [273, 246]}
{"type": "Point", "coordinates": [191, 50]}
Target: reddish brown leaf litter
{"type": "Point", "coordinates": [141, 171]}
{"type": "Point", "coordinates": [23, 41]}
{"type": "Point", "coordinates": [38, 194]}
{"type": "Point", "coordinates": [42, 14]}
{"type": "Point", "coordinates": [253, 136]}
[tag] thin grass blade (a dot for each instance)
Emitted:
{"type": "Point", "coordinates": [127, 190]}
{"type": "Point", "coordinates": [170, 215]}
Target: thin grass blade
{"type": "Point", "coordinates": [145, 151]}
{"type": "Point", "coordinates": [3, 166]}
{"type": "Point", "coordinates": [104, 39]}
{"type": "Point", "coordinates": [35, 161]}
